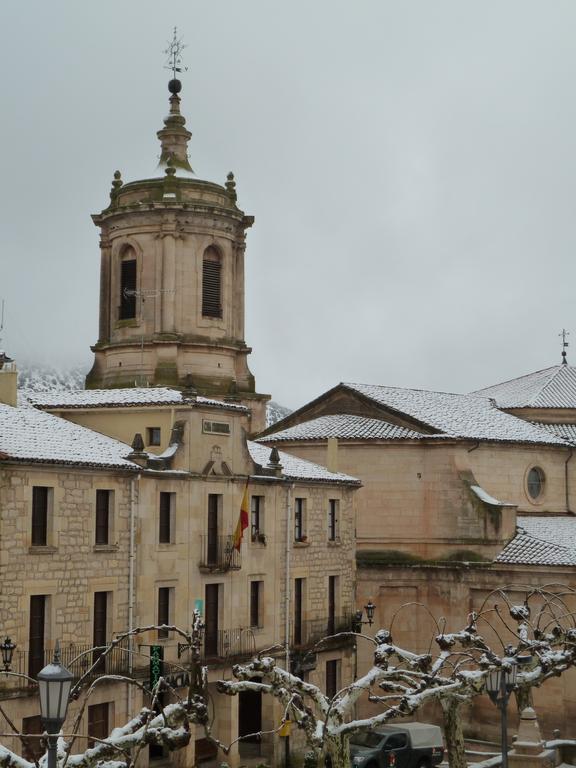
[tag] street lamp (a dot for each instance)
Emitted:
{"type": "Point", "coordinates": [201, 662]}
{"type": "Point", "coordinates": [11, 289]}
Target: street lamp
{"type": "Point", "coordinates": [54, 683]}
{"type": "Point", "coordinates": [500, 683]}
{"type": "Point", "coordinates": [357, 620]}
{"type": "Point", "coordinates": [7, 648]}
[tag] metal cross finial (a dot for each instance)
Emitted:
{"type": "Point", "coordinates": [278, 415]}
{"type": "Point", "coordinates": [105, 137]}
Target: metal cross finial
{"type": "Point", "coordinates": [174, 54]}
{"type": "Point", "coordinates": [564, 345]}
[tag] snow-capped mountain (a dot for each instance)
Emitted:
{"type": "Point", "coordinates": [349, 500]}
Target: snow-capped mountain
{"type": "Point", "coordinates": [275, 412]}
{"type": "Point", "coordinates": [36, 378]}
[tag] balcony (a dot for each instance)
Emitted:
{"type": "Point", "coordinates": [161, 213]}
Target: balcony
{"type": "Point", "coordinates": [311, 631]}
{"type": "Point", "coordinates": [77, 658]}
{"type": "Point", "coordinates": [218, 554]}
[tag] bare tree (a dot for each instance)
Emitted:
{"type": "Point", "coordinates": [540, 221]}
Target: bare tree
{"type": "Point", "coordinates": [167, 726]}
{"type": "Point", "coordinates": [541, 630]}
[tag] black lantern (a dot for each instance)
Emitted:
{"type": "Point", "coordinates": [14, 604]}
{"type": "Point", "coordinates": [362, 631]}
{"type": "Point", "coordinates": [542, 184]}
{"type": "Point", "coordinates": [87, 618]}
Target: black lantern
{"type": "Point", "coordinates": [7, 652]}
{"type": "Point", "coordinates": [54, 683]}
{"type": "Point", "coordinates": [357, 618]}
{"type": "Point", "coordinates": [370, 608]}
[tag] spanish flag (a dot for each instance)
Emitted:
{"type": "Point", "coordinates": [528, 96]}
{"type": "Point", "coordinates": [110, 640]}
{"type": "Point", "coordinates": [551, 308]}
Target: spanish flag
{"type": "Point", "coordinates": [242, 519]}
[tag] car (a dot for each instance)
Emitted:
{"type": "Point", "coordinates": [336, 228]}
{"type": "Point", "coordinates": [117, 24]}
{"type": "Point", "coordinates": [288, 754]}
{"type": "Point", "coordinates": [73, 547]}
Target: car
{"type": "Point", "coordinates": [410, 745]}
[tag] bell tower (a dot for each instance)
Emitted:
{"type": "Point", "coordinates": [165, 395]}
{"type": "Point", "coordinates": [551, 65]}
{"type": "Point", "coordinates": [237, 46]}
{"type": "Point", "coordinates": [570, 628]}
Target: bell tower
{"type": "Point", "coordinates": [172, 280]}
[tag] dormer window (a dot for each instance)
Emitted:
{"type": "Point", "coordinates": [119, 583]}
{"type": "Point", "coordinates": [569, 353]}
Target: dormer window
{"type": "Point", "coordinates": [128, 285]}
{"type": "Point", "coordinates": [212, 283]}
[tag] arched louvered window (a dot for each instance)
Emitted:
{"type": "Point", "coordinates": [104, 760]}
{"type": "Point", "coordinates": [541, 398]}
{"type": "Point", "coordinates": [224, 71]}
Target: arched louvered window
{"type": "Point", "coordinates": [212, 283]}
{"type": "Point", "coordinates": [128, 274]}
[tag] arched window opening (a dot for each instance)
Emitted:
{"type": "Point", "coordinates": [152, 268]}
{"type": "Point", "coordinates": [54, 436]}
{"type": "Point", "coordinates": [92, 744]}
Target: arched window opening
{"type": "Point", "coordinates": [212, 283]}
{"type": "Point", "coordinates": [128, 285]}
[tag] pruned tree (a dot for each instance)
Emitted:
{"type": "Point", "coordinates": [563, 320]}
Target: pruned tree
{"type": "Point", "coordinates": [542, 627]}
{"type": "Point", "coordinates": [167, 726]}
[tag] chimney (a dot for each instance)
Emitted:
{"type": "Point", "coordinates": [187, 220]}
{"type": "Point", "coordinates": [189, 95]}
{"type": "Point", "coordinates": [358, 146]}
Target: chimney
{"type": "Point", "coordinates": [8, 380]}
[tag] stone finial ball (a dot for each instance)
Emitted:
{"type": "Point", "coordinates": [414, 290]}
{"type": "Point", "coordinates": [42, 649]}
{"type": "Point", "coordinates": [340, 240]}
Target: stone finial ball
{"type": "Point", "coordinates": [174, 86]}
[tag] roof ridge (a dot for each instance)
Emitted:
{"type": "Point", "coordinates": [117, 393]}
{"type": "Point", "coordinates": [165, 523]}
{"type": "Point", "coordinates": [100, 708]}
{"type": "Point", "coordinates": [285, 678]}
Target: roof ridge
{"type": "Point", "coordinates": [409, 389]}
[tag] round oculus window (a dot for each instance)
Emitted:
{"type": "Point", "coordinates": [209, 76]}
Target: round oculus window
{"type": "Point", "coordinates": [535, 482]}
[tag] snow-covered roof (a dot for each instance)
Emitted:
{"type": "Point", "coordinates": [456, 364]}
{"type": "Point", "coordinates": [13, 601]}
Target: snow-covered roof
{"type": "Point", "coordinates": [344, 426]}
{"type": "Point", "coordinates": [542, 540]}
{"type": "Point", "coordinates": [567, 431]}
{"type": "Point", "coordinates": [460, 416]}
{"type": "Point", "coordinates": [295, 468]}
{"type": "Point", "coordinates": [122, 398]}
{"type": "Point", "coordinates": [27, 434]}
{"type": "Point", "coordinates": [553, 387]}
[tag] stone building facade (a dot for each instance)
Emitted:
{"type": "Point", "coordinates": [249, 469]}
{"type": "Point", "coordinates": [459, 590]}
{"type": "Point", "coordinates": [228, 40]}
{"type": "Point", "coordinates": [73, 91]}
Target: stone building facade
{"type": "Point", "coordinates": [462, 494]}
{"type": "Point", "coordinates": [172, 509]}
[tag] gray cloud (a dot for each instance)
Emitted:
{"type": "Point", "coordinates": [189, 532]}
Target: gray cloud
{"type": "Point", "coordinates": [411, 167]}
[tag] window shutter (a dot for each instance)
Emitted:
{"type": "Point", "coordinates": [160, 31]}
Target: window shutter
{"type": "Point", "coordinates": [102, 516]}
{"type": "Point", "coordinates": [163, 610]}
{"type": "Point", "coordinates": [36, 634]}
{"type": "Point", "coordinates": [165, 504]}
{"type": "Point", "coordinates": [39, 516]}
{"type": "Point", "coordinates": [211, 288]}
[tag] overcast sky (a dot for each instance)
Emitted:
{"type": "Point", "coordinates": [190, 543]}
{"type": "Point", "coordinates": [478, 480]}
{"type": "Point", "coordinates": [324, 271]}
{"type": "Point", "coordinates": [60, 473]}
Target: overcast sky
{"type": "Point", "coordinates": [411, 166]}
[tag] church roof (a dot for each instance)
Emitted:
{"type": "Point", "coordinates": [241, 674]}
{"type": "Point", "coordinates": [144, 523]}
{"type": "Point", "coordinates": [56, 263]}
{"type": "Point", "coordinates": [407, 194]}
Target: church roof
{"type": "Point", "coordinates": [457, 416]}
{"type": "Point", "coordinates": [567, 431]}
{"type": "Point", "coordinates": [294, 468]}
{"type": "Point", "coordinates": [122, 398]}
{"type": "Point", "coordinates": [553, 387]}
{"type": "Point", "coordinates": [542, 540]}
{"type": "Point", "coordinates": [29, 435]}
{"type": "Point", "coordinates": [345, 426]}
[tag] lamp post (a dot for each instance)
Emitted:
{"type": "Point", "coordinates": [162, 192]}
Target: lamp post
{"type": "Point", "coordinates": [499, 685]}
{"type": "Point", "coordinates": [7, 648]}
{"type": "Point", "coordinates": [357, 620]}
{"type": "Point", "coordinates": [54, 683]}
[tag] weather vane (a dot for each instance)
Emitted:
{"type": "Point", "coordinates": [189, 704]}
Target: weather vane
{"type": "Point", "coordinates": [564, 345]}
{"type": "Point", "coordinates": [174, 54]}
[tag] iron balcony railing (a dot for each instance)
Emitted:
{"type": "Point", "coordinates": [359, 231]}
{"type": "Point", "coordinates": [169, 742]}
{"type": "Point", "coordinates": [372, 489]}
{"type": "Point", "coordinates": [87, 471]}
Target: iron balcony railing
{"type": "Point", "coordinates": [228, 644]}
{"type": "Point", "coordinates": [77, 658]}
{"type": "Point", "coordinates": [311, 631]}
{"type": "Point", "coordinates": [219, 554]}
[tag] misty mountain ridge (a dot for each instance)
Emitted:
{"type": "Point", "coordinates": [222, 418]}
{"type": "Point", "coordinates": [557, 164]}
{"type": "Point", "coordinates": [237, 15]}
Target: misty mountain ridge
{"type": "Point", "coordinates": [44, 378]}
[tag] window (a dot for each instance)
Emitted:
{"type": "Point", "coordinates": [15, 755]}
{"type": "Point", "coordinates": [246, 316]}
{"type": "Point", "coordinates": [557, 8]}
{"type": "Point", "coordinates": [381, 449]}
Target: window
{"type": "Point", "coordinates": [153, 435]}
{"type": "Point", "coordinates": [98, 722]}
{"type": "Point", "coordinates": [36, 636]}
{"type": "Point", "coordinates": [535, 482]}
{"type": "Point", "coordinates": [332, 674]}
{"type": "Point", "coordinates": [256, 592]}
{"type": "Point", "coordinates": [32, 750]}
{"type": "Point", "coordinates": [41, 499]}
{"type": "Point", "coordinates": [298, 611]}
{"type": "Point", "coordinates": [299, 514]}
{"type": "Point", "coordinates": [212, 540]}
{"type": "Point", "coordinates": [257, 518]}
{"type": "Point", "coordinates": [166, 515]}
{"type": "Point", "coordinates": [332, 598]}
{"type": "Point", "coordinates": [103, 516]}
{"type": "Point", "coordinates": [164, 610]}
{"type": "Point", "coordinates": [100, 631]}
{"type": "Point", "coordinates": [395, 741]}
{"type": "Point", "coordinates": [211, 283]}
{"type": "Point", "coordinates": [333, 528]}
{"type": "Point", "coordinates": [128, 287]}
{"type": "Point", "coordinates": [216, 427]}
